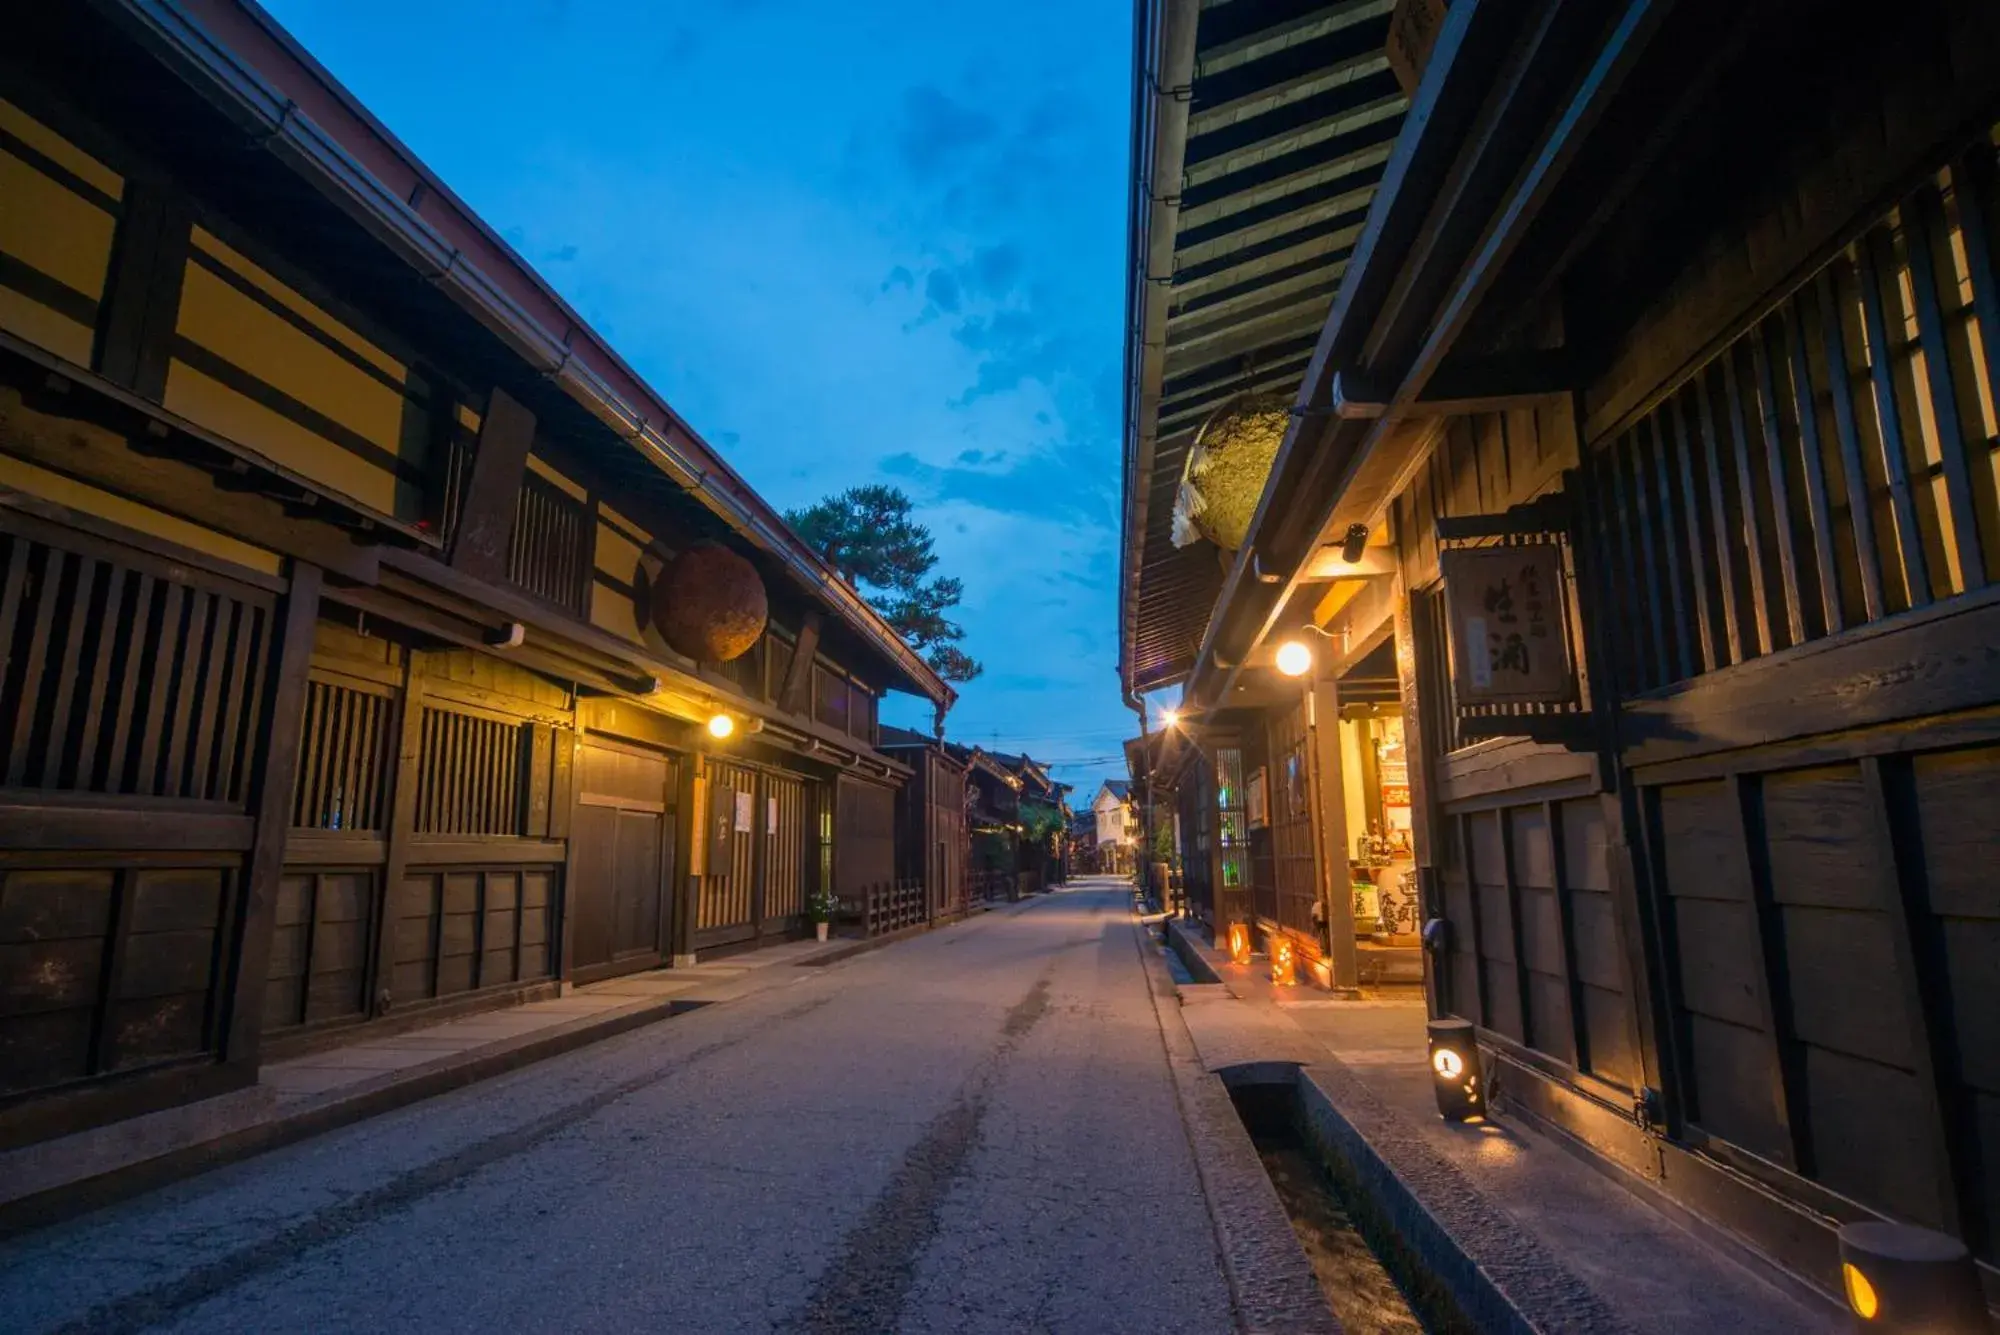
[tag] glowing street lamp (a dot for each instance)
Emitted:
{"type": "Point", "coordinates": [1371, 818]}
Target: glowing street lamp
{"type": "Point", "coordinates": [1239, 943]}
{"type": "Point", "coordinates": [1294, 659]}
{"type": "Point", "coordinates": [1455, 1069]}
{"type": "Point", "coordinates": [720, 726]}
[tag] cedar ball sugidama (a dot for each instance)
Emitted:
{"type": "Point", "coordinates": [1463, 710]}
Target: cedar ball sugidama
{"type": "Point", "coordinates": [709, 603]}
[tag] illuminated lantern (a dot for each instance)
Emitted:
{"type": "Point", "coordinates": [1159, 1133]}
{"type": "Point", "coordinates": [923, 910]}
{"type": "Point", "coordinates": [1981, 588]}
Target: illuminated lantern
{"type": "Point", "coordinates": [1239, 943]}
{"type": "Point", "coordinates": [1284, 965]}
{"type": "Point", "coordinates": [1897, 1277]}
{"type": "Point", "coordinates": [1455, 1070]}
{"type": "Point", "coordinates": [709, 603]}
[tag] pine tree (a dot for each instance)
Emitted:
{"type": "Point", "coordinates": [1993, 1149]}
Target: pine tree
{"type": "Point", "coordinates": [868, 535]}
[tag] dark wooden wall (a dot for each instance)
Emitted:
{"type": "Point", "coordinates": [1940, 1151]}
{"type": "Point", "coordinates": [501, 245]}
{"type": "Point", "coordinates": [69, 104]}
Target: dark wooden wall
{"type": "Point", "coordinates": [426, 857]}
{"type": "Point", "coordinates": [931, 840]}
{"type": "Point", "coordinates": [864, 837]}
{"type": "Point", "coordinates": [142, 805]}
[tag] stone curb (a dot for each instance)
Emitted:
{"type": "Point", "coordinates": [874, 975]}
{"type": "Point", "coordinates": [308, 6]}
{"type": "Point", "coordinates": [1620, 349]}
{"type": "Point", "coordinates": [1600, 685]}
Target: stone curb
{"type": "Point", "coordinates": [1500, 1277]}
{"type": "Point", "coordinates": [1272, 1286]}
{"type": "Point", "coordinates": [92, 1190]}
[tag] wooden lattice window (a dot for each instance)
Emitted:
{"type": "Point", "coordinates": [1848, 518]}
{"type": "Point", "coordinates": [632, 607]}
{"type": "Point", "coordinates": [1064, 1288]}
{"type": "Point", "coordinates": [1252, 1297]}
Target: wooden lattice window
{"type": "Point", "coordinates": [550, 556]}
{"type": "Point", "coordinates": [1833, 465]}
{"type": "Point", "coordinates": [123, 675]}
{"type": "Point", "coordinates": [469, 776]}
{"type": "Point", "coordinates": [344, 756]}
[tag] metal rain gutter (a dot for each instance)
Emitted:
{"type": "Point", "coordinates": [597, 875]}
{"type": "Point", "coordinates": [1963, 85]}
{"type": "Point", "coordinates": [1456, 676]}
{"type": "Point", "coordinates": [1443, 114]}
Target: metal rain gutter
{"type": "Point", "coordinates": [1163, 84]}
{"type": "Point", "coordinates": [281, 128]}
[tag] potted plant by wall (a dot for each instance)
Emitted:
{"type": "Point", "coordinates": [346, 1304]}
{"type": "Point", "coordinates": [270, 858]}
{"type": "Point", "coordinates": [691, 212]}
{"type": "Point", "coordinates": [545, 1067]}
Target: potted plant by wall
{"type": "Point", "coordinates": [820, 906]}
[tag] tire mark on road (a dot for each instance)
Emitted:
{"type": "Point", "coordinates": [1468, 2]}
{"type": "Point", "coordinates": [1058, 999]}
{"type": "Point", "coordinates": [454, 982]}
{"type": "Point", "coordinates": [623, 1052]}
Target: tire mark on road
{"type": "Point", "coordinates": [863, 1291]}
{"type": "Point", "coordinates": [154, 1305]}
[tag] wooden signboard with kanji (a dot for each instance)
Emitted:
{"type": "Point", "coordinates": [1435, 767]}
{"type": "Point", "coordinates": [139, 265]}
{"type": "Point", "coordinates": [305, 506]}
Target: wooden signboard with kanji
{"type": "Point", "coordinates": [1509, 636]}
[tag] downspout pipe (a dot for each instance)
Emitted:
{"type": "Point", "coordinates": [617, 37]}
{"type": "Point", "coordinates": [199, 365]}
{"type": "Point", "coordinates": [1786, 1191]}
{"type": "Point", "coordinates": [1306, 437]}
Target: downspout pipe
{"type": "Point", "coordinates": [1162, 93]}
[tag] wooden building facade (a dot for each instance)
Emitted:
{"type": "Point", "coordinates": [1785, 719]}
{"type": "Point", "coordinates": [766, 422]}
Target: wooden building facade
{"type": "Point", "coordinates": [932, 841]}
{"type": "Point", "coordinates": [331, 546]}
{"type": "Point", "coordinates": [1688, 312]}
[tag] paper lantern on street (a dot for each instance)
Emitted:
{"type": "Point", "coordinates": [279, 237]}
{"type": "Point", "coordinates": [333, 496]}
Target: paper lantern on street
{"type": "Point", "coordinates": [1284, 964]}
{"type": "Point", "coordinates": [1239, 943]}
{"type": "Point", "coordinates": [1898, 1277]}
{"type": "Point", "coordinates": [709, 603]}
{"type": "Point", "coordinates": [1226, 468]}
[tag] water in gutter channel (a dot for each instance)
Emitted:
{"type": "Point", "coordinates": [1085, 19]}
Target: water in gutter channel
{"type": "Point", "coordinates": [1372, 1279]}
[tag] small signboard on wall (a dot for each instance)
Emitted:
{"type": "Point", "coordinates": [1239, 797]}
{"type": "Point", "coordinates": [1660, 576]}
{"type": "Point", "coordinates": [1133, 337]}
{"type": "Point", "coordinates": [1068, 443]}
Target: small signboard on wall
{"type": "Point", "coordinates": [1257, 799]}
{"type": "Point", "coordinates": [746, 812]}
{"type": "Point", "coordinates": [1509, 634]}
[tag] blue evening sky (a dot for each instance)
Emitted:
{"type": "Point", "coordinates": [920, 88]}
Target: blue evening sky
{"type": "Point", "coordinates": [881, 241]}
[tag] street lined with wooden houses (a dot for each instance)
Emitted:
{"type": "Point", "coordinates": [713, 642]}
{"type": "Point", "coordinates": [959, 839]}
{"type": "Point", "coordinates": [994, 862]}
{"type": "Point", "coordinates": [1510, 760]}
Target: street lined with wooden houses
{"type": "Point", "coordinates": [471, 859]}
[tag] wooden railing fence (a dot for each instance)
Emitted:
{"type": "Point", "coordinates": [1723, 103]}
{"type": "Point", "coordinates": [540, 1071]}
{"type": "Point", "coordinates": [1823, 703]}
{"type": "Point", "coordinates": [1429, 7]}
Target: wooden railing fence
{"type": "Point", "coordinates": [890, 906]}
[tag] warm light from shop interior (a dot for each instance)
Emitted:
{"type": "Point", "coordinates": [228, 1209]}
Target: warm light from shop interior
{"type": "Point", "coordinates": [1284, 965]}
{"type": "Point", "coordinates": [1239, 943]}
{"type": "Point", "coordinates": [720, 726]}
{"type": "Point", "coordinates": [1860, 1293]}
{"type": "Point", "coordinates": [1294, 659]}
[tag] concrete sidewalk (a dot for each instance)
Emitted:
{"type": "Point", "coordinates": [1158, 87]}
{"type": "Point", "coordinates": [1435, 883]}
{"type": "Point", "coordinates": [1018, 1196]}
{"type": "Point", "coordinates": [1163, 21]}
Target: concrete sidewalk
{"type": "Point", "coordinates": [1561, 1243]}
{"type": "Point", "coordinates": [332, 1086]}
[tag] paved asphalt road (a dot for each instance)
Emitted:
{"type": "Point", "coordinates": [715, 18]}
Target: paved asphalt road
{"type": "Point", "coordinates": [971, 1131]}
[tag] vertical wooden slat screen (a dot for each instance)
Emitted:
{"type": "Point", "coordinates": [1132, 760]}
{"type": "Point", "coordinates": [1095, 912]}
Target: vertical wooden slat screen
{"type": "Point", "coordinates": [121, 681]}
{"type": "Point", "coordinates": [1834, 465]}
{"type": "Point", "coordinates": [469, 778]}
{"type": "Point", "coordinates": [784, 857]}
{"type": "Point", "coordinates": [343, 756]}
{"type": "Point", "coordinates": [550, 555]}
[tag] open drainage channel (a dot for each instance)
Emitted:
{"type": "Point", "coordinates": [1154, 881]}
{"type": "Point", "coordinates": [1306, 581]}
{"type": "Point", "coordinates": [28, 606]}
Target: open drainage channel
{"type": "Point", "coordinates": [1372, 1278]}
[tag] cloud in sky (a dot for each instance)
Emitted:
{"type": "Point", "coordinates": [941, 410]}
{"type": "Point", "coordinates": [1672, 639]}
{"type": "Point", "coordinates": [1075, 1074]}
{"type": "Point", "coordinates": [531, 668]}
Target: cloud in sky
{"type": "Point", "coordinates": [863, 243]}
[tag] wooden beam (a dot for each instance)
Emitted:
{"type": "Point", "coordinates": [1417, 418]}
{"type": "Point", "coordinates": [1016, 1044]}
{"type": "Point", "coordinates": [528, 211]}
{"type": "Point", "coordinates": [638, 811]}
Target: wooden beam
{"type": "Point", "coordinates": [1464, 385]}
{"type": "Point", "coordinates": [794, 698]}
{"type": "Point", "coordinates": [486, 516]}
{"type": "Point", "coordinates": [101, 456]}
{"type": "Point", "coordinates": [273, 806]}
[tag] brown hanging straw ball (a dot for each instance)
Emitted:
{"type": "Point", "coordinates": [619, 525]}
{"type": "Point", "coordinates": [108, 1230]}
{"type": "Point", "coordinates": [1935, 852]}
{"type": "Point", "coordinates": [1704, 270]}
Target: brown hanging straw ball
{"type": "Point", "coordinates": [709, 603]}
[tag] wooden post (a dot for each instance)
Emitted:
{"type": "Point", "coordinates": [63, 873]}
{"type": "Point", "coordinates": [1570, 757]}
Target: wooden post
{"type": "Point", "coordinates": [693, 827]}
{"type": "Point", "coordinates": [1327, 787]}
{"type": "Point", "coordinates": [402, 824]}
{"type": "Point", "coordinates": [272, 801]}
{"type": "Point", "coordinates": [1418, 747]}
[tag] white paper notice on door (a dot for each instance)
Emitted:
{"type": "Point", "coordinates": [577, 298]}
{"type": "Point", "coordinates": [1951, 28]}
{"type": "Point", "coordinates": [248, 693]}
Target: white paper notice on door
{"type": "Point", "coordinates": [770, 815]}
{"type": "Point", "coordinates": [746, 813]}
